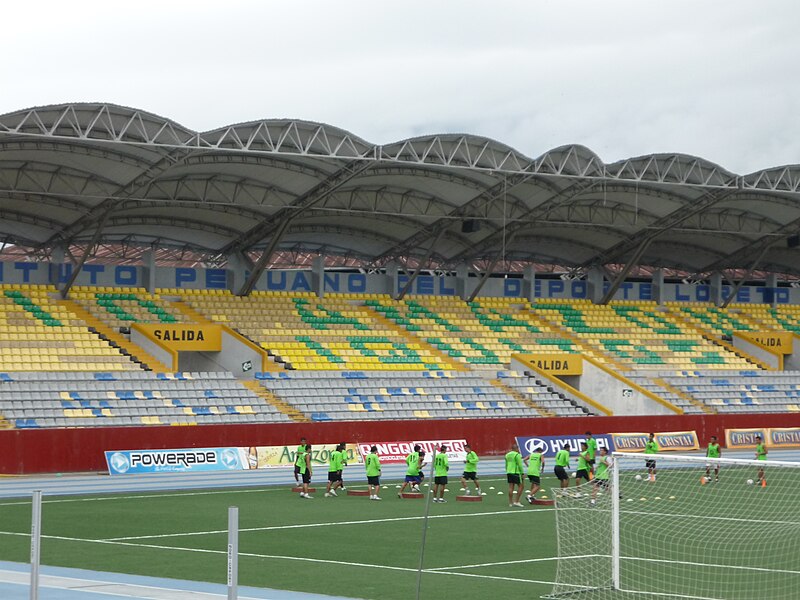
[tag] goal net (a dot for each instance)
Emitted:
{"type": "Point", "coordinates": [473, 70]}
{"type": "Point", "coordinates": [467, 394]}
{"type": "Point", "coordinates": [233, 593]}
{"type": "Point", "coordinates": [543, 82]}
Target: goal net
{"type": "Point", "coordinates": [682, 535]}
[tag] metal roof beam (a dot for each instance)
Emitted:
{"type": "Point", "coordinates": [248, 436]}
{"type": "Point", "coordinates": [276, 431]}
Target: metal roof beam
{"type": "Point", "coordinates": [418, 270]}
{"type": "Point", "coordinates": [489, 270]}
{"type": "Point", "coordinates": [620, 278]}
{"type": "Point", "coordinates": [657, 228]}
{"type": "Point", "coordinates": [76, 270]}
{"type": "Point", "coordinates": [285, 216]}
{"type": "Point", "coordinates": [746, 275]}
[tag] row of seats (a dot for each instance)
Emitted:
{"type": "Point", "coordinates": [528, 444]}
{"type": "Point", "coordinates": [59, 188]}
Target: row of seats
{"type": "Point", "coordinates": [372, 396]}
{"type": "Point", "coordinates": [121, 308]}
{"type": "Point", "coordinates": [115, 399]}
{"type": "Point", "coordinates": [39, 333]}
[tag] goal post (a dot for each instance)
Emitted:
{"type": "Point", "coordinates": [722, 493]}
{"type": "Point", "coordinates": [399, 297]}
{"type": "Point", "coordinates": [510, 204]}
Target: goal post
{"type": "Point", "coordinates": [686, 534]}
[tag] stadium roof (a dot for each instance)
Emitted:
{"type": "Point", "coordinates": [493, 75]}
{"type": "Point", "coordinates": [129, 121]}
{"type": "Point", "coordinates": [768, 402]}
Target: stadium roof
{"type": "Point", "coordinates": [78, 176]}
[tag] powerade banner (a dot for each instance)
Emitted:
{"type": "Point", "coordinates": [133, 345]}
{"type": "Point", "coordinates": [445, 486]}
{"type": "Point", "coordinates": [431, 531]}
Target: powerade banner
{"type": "Point", "coordinates": [550, 444]}
{"type": "Point", "coordinates": [396, 452]}
{"type": "Point", "coordinates": [667, 441]}
{"type": "Point", "coordinates": [130, 462]}
{"type": "Point", "coordinates": [270, 457]}
{"type": "Point", "coordinates": [744, 439]}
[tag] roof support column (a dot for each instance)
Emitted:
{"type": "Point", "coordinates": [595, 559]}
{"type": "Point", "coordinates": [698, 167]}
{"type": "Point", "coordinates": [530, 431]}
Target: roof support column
{"type": "Point", "coordinates": [657, 283]}
{"type": "Point", "coordinates": [392, 273]}
{"type": "Point", "coordinates": [462, 279]}
{"type": "Point", "coordinates": [318, 276]}
{"type": "Point", "coordinates": [595, 284]}
{"type": "Point", "coordinates": [58, 256]}
{"type": "Point", "coordinates": [529, 283]}
{"type": "Point", "coordinates": [716, 288]}
{"type": "Point", "coordinates": [149, 270]}
{"type": "Point", "coordinates": [771, 290]}
{"type": "Point", "coordinates": [89, 249]}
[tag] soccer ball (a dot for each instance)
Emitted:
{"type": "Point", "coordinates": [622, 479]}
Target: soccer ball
{"type": "Point", "coordinates": [708, 479]}
{"type": "Point", "coordinates": [749, 482]}
{"type": "Point", "coordinates": [574, 475]}
{"type": "Point", "coordinates": [638, 478]}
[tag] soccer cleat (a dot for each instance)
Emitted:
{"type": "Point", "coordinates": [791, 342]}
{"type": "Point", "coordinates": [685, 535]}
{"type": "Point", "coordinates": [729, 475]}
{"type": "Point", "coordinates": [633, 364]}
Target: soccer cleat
{"type": "Point", "coordinates": [442, 501]}
{"type": "Point", "coordinates": [376, 498]}
{"type": "Point", "coordinates": [399, 495]}
{"type": "Point", "coordinates": [593, 503]}
{"type": "Point", "coordinates": [344, 489]}
{"type": "Point", "coordinates": [333, 492]}
{"type": "Point", "coordinates": [466, 492]}
{"type": "Point", "coordinates": [518, 505]}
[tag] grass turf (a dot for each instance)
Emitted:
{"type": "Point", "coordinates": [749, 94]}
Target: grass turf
{"type": "Point", "coordinates": [321, 545]}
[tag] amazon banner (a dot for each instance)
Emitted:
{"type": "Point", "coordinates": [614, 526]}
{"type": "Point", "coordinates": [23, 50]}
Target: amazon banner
{"type": "Point", "coordinates": [183, 337]}
{"type": "Point", "coordinates": [550, 444]}
{"type": "Point", "coordinates": [270, 457]}
{"type": "Point", "coordinates": [667, 441]}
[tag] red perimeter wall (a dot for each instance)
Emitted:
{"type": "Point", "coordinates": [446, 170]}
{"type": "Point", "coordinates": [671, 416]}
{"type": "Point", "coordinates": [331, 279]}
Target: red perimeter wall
{"type": "Point", "coordinates": [67, 450]}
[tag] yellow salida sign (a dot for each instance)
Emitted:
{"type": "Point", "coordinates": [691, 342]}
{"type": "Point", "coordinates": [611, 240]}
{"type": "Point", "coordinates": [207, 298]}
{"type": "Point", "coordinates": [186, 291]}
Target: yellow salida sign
{"type": "Point", "coordinates": [554, 364]}
{"type": "Point", "coordinates": [183, 337]}
{"type": "Point", "coordinates": [779, 342]}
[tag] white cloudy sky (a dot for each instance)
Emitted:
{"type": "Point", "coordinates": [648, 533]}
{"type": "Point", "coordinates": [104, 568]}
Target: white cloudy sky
{"type": "Point", "coordinates": [708, 77]}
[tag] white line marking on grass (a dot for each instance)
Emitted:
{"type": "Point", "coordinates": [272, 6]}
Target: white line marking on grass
{"type": "Point", "coordinates": [140, 496]}
{"type": "Point", "coordinates": [302, 559]}
{"type": "Point", "coordinates": [509, 562]}
{"type": "Point", "coordinates": [330, 524]}
{"type": "Point", "coordinates": [716, 566]}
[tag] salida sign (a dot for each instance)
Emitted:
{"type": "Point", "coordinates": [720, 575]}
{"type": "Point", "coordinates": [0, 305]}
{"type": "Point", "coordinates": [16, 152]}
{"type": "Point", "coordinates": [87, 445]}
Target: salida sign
{"type": "Point", "coordinates": [184, 336]}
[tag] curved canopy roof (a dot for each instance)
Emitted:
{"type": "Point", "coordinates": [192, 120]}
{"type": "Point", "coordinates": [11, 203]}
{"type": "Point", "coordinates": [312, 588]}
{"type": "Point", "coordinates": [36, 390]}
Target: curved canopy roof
{"type": "Point", "coordinates": [74, 176]}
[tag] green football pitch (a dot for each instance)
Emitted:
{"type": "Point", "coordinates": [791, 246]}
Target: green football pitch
{"type": "Point", "coordinates": [345, 546]}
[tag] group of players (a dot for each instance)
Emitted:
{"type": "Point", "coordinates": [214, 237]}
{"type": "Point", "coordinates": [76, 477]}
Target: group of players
{"type": "Point", "coordinates": [593, 465]}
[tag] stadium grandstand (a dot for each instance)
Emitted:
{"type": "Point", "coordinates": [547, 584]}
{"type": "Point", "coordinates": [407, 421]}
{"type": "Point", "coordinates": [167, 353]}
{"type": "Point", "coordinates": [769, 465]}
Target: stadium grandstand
{"type": "Point", "coordinates": [439, 277]}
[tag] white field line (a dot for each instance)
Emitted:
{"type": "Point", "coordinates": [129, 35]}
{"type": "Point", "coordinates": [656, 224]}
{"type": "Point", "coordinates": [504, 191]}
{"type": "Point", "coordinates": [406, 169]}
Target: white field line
{"type": "Point", "coordinates": [510, 562]}
{"type": "Point", "coordinates": [297, 558]}
{"type": "Point", "coordinates": [711, 565]}
{"type": "Point", "coordinates": [687, 516]}
{"type": "Point", "coordinates": [326, 524]}
{"type": "Point", "coordinates": [272, 487]}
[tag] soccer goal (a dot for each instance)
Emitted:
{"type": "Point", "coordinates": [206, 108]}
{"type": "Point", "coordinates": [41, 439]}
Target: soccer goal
{"type": "Point", "coordinates": [682, 535]}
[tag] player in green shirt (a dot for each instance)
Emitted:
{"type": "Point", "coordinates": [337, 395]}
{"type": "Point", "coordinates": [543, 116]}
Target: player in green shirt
{"type": "Point", "coordinates": [299, 459]}
{"type": "Point", "coordinates": [591, 444]}
{"type": "Point", "coordinates": [343, 449]}
{"type": "Point", "coordinates": [651, 447]}
{"type": "Point", "coordinates": [305, 471]}
{"type": "Point", "coordinates": [372, 462]}
{"type": "Point", "coordinates": [441, 465]}
{"type": "Point", "coordinates": [713, 451]}
{"type": "Point", "coordinates": [334, 472]}
{"type": "Point", "coordinates": [535, 464]}
{"type": "Point", "coordinates": [514, 470]}
{"type": "Point", "coordinates": [470, 471]}
{"type": "Point", "coordinates": [761, 454]}
{"type": "Point", "coordinates": [601, 474]}
{"type": "Point", "coordinates": [413, 466]}
{"type": "Point", "coordinates": [562, 464]}
{"type": "Point", "coordinates": [583, 465]}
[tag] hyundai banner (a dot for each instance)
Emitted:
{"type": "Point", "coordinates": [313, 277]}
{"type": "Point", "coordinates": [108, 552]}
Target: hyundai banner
{"type": "Point", "coordinates": [550, 444]}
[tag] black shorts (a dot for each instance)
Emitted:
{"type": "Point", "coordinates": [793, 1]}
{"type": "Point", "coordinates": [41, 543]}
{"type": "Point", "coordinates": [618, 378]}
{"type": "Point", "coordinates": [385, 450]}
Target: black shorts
{"type": "Point", "coordinates": [374, 479]}
{"type": "Point", "coordinates": [471, 475]}
{"type": "Point", "coordinates": [534, 479]}
{"type": "Point", "coordinates": [561, 473]}
{"type": "Point", "coordinates": [513, 478]}
{"type": "Point", "coordinates": [601, 483]}
{"type": "Point", "coordinates": [440, 480]}
{"type": "Point", "coordinates": [582, 474]}
{"type": "Point", "coordinates": [334, 476]}
{"type": "Point", "coordinates": [306, 477]}
{"type": "Point", "coordinates": [650, 464]}
{"type": "Point", "coordinates": [297, 470]}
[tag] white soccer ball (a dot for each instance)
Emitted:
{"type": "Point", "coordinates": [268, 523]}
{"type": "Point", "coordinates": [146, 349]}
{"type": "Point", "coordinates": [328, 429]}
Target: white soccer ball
{"type": "Point", "coordinates": [574, 475]}
{"type": "Point", "coordinates": [708, 479]}
{"type": "Point", "coordinates": [638, 478]}
{"type": "Point", "coordinates": [749, 482]}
